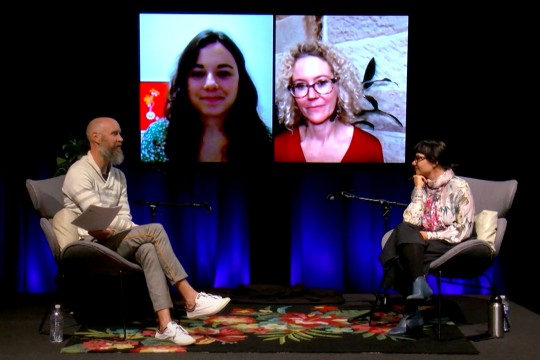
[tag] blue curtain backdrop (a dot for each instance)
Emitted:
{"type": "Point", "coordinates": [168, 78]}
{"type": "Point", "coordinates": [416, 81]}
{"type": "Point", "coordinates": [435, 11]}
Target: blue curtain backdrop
{"type": "Point", "coordinates": [335, 243]}
{"type": "Point", "coordinates": [318, 242]}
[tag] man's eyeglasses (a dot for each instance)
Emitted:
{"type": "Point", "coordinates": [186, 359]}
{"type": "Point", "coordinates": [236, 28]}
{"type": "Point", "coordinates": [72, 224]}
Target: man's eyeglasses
{"type": "Point", "coordinates": [322, 86]}
{"type": "Point", "coordinates": [419, 158]}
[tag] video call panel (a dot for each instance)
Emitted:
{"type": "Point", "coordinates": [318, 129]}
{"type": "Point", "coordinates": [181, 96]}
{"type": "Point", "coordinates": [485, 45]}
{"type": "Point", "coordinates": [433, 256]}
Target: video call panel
{"type": "Point", "coordinates": [377, 46]}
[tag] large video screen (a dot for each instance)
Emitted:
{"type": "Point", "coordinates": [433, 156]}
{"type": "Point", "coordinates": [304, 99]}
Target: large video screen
{"type": "Point", "coordinates": [273, 88]}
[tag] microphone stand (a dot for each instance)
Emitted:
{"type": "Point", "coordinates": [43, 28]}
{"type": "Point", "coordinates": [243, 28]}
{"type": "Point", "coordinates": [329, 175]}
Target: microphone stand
{"type": "Point", "coordinates": [386, 205]}
{"type": "Point", "coordinates": [381, 296]}
{"type": "Point", "coordinates": [153, 205]}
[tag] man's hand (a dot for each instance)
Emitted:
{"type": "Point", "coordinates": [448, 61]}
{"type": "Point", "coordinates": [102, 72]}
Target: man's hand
{"type": "Point", "coordinates": [102, 234]}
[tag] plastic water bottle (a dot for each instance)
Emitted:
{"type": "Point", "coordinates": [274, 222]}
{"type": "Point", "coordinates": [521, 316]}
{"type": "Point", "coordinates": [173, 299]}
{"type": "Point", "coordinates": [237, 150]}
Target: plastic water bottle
{"type": "Point", "coordinates": [506, 309]}
{"type": "Point", "coordinates": [56, 333]}
{"type": "Point", "coordinates": [496, 317]}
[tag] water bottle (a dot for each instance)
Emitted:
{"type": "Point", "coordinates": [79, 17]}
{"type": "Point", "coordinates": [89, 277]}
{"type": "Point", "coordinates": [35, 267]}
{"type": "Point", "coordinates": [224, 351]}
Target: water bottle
{"type": "Point", "coordinates": [506, 309]}
{"type": "Point", "coordinates": [56, 333]}
{"type": "Point", "coordinates": [496, 317]}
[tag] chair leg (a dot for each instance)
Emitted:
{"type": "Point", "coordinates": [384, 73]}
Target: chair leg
{"type": "Point", "coordinates": [122, 295]}
{"type": "Point", "coordinates": [491, 287]}
{"type": "Point", "coordinates": [439, 305]}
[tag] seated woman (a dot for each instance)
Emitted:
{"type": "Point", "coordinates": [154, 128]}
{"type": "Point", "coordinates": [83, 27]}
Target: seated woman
{"type": "Point", "coordinates": [439, 216]}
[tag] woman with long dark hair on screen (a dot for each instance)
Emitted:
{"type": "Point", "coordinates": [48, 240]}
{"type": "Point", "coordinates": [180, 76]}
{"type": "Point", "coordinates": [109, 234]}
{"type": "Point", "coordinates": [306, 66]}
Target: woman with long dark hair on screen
{"type": "Point", "coordinates": [318, 92]}
{"type": "Point", "coordinates": [211, 110]}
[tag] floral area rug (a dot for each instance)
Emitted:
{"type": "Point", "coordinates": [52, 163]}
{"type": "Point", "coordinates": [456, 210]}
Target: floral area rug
{"type": "Point", "coordinates": [261, 328]}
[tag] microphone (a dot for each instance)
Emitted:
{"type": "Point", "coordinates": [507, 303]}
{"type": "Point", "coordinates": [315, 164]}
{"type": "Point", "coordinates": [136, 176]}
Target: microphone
{"type": "Point", "coordinates": [203, 204]}
{"type": "Point", "coordinates": [346, 195]}
{"type": "Point", "coordinates": [339, 195]}
{"type": "Point", "coordinates": [333, 196]}
{"type": "Point", "coordinates": [207, 206]}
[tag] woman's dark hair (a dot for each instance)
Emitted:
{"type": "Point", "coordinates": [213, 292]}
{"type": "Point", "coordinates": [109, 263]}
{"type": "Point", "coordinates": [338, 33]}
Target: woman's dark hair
{"type": "Point", "coordinates": [435, 151]}
{"type": "Point", "coordinates": [249, 138]}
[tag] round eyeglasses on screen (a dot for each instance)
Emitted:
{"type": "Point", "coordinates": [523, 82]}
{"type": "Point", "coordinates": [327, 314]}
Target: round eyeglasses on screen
{"type": "Point", "coordinates": [321, 86]}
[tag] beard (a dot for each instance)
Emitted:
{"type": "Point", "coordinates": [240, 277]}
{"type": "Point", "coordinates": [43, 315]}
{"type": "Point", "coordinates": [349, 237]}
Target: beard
{"type": "Point", "coordinates": [115, 156]}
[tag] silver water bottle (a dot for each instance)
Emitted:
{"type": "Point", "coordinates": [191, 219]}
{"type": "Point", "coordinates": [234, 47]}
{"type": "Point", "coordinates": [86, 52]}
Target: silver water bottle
{"type": "Point", "coordinates": [506, 307]}
{"type": "Point", "coordinates": [496, 317]}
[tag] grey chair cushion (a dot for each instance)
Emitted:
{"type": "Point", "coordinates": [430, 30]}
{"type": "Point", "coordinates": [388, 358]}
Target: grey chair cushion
{"type": "Point", "coordinates": [46, 195]}
{"type": "Point", "coordinates": [467, 260]}
{"type": "Point", "coordinates": [64, 230]}
{"type": "Point", "coordinates": [493, 195]}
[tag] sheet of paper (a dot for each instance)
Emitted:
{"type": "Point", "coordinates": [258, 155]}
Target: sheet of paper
{"type": "Point", "coordinates": [96, 217]}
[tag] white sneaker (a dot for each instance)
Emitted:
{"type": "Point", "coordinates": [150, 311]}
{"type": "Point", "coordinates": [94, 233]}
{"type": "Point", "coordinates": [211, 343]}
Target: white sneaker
{"type": "Point", "coordinates": [176, 334]}
{"type": "Point", "coordinates": [206, 305]}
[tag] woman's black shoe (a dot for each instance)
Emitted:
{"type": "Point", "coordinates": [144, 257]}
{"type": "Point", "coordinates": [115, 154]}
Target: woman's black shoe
{"type": "Point", "coordinates": [409, 325]}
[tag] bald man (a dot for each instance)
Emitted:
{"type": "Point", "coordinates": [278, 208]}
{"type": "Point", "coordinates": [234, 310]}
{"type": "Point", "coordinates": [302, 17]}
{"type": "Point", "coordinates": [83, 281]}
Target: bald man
{"type": "Point", "coordinates": [94, 179]}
